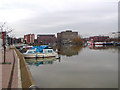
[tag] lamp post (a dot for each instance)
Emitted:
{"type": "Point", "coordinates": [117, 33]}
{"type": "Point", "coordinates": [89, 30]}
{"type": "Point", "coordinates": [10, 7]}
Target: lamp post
{"type": "Point", "coordinates": [4, 34]}
{"type": "Point", "coordinates": [4, 38]}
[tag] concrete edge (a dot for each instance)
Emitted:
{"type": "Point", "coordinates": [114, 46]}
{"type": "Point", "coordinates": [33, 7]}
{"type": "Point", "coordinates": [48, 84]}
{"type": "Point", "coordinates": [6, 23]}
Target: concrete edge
{"type": "Point", "coordinates": [27, 69]}
{"type": "Point", "coordinates": [29, 73]}
{"type": "Point", "coordinates": [19, 72]}
{"type": "Point", "coordinates": [10, 73]}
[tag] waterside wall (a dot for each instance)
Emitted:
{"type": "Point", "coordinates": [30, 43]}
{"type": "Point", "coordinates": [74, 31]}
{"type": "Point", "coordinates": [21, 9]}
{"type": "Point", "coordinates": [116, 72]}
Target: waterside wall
{"type": "Point", "coordinates": [26, 77]}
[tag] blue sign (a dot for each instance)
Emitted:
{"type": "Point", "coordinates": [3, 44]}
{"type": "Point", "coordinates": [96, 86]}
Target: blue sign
{"type": "Point", "coordinates": [1, 42]}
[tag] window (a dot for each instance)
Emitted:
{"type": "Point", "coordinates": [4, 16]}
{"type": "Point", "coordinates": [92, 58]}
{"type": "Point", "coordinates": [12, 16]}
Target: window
{"type": "Point", "coordinates": [49, 51]}
{"type": "Point", "coordinates": [30, 52]}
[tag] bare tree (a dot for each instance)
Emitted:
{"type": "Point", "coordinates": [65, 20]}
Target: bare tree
{"type": "Point", "coordinates": [4, 31]}
{"type": "Point", "coordinates": [77, 40]}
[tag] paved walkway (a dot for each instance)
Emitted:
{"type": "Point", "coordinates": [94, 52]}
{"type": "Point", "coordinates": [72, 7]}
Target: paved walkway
{"type": "Point", "coordinates": [0, 68]}
{"type": "Point", "coordinates": [10, 71]}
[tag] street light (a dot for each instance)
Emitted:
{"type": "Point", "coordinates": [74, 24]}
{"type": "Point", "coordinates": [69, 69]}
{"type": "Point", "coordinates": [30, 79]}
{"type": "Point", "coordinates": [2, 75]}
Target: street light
{"type": "Point", "coordinates": [4, 34]}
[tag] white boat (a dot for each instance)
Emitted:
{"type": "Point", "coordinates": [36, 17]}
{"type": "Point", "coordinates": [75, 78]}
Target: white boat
{"type": "Point", "coordinates": [98, 43]}
{"type": "Point", "coordinates": [46, 53]}
{"type": "Point", "coordinates": [27, 47]}
{"type": "Point", "coordinates": [89, 43]}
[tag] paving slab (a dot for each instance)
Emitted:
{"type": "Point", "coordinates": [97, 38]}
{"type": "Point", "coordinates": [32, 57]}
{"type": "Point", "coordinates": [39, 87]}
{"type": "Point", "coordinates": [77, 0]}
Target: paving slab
{"type": "Point", "coordinates": [10, 71]}
{"type": "Point", "coordinates": [0, 68]}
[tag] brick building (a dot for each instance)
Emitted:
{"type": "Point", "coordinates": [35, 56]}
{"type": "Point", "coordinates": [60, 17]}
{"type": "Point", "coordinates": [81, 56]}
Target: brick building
{"type": "Point", "coordinates": [98, 38]}
{"type": "Point", "coordinates": [47, 39]}
{"type": "Point", "coordinates": [66, 36]}
{"type": "Point", "coordinates": [29, 38]}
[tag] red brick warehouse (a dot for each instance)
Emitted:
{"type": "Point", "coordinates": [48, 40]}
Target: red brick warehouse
{"type": "Point", "coordinates": [29, 38]}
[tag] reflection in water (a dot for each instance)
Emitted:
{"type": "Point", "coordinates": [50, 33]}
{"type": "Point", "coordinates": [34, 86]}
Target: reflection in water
{"type": "Point", "coordinates": [91, 68]}
{"type": "Point", "coordinates": [102, 47]}
{"type": "Point", "coordinates": [69, 50]}
{"type": "Point", "coordinates": [40, 61]}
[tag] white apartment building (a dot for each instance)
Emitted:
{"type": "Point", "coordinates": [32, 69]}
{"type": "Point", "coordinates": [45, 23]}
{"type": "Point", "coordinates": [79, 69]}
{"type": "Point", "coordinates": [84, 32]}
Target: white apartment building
{"type": "Point", "coordinates": [114, 35]}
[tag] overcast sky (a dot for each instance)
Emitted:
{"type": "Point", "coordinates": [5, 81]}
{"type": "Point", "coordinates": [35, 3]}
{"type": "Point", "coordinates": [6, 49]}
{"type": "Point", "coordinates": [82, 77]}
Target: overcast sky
{"type": "Point", "coordinates": [88, 17]}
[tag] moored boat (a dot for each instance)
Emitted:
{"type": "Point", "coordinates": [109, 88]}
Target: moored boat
{"type": "Point", "coordinates": [98, 43]}
{"type": "Point", "coordinates": [89, 43]}
{"type": "Point", "coordinates": [117, 44]}
{"type": "Point", "coordinates": [40, 52]}
{"type": "Point", "coordinates": [108, 43]}
{"type": "Point", "coordinates": [26, 47]}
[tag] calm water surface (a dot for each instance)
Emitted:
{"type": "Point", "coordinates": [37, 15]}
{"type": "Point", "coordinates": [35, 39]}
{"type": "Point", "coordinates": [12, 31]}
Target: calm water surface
{"type": "Point", "coordinates": [78, 67]}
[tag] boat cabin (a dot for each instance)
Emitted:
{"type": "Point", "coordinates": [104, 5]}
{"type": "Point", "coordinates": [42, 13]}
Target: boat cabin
{"type": "Point", "coordinates": [48, 51]}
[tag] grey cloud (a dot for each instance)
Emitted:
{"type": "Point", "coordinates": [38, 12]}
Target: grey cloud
{"type": "Point", "coordinates": [96, 18]}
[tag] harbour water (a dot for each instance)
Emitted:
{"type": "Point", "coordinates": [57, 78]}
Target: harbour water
{"type": "Point", "coordinates": [78, 67]}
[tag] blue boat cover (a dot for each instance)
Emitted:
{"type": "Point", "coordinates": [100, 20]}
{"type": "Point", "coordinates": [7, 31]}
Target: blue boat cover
{"type": "Point", "coordinates": [40, 48]}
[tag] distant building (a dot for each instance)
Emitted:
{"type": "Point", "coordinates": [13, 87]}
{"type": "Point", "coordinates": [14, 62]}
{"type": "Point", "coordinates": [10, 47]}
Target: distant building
{"type": "Point", "coordinates": [98, 38]}
{"type": "Point", "coordinates": [114, 35]}
{"type": "Point", "coordinates": [85, 39]}
{"type": "Point", "coordinates": [20, 40]}
{"type": "Point", "coordinates": [47, 39]}
{"type": "Point", "coordinates": [11, 40]}
{"type": "Point", "coordinates": [66, 36]}
{"type": "Point", "coordinates": [35, 41]}
{"type": "Point", "coordinates": [29, 38]}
